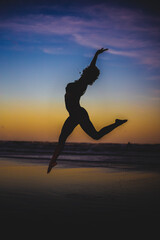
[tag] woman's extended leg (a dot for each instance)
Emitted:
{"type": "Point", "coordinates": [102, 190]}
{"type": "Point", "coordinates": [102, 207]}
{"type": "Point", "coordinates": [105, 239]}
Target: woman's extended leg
{"type": "Point", "coordinates": [67, 129]}
{"type": "Point", "coordinates": [88, 127]}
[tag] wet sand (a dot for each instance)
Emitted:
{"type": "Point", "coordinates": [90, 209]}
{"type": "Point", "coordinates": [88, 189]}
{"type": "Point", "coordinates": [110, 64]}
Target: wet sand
{"type": "Point", "coordinates": [77, 196]}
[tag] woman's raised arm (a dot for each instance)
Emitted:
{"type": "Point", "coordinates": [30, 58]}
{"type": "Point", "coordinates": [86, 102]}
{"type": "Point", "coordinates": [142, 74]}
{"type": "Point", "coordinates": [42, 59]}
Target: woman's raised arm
{"type": "Point", "coordinates": [93, 62]}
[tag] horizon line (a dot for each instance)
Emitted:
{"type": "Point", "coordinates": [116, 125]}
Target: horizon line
{"type": "Point", "coordinates": [80, 142]}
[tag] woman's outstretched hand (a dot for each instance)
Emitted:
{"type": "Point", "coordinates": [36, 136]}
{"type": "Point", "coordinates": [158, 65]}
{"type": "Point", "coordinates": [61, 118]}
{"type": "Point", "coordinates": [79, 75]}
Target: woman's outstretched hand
{"type": "Point", "coordinates": [93, 62]}
{"type": "Point", "coordinates": [101, 50]}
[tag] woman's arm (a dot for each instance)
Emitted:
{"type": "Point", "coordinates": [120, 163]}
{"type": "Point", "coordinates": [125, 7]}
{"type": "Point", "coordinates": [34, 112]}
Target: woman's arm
{"type": "Point", "coordinates": [93, 62]}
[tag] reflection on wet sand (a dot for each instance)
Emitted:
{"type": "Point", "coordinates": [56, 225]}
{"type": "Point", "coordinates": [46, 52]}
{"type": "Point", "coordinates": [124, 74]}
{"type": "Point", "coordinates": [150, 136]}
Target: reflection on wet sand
{"type": "Point", "coordinates": [27, 192]}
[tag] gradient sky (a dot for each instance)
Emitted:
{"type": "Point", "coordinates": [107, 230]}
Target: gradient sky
{"type": "Point", "coordinates": [46, 44]}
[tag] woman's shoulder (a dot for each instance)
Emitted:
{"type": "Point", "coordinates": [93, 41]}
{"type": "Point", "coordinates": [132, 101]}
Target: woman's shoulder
{"type": "Point", "coordinates": [76, 86]}
{"type": "Point", "coordinates": [70, 86]}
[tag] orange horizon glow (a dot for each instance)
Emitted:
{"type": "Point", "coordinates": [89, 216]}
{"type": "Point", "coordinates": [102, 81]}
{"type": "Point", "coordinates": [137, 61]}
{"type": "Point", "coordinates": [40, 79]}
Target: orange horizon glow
{"type": "Point", "coordinates": [42, 122]}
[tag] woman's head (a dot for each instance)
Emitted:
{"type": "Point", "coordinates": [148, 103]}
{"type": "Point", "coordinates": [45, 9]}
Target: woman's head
{"type": "Point", "coordinates": [90, 74]}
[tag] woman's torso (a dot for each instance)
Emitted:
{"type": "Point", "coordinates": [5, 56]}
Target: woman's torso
{"type": "Point", "coordinates": [74, 91]}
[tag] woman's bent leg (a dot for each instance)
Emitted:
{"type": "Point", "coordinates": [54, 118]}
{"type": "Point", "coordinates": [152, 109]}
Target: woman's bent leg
{"type": "Point", "coordinates": [110, 128]}
{"type": "Point", "coordinates": [88, 127]}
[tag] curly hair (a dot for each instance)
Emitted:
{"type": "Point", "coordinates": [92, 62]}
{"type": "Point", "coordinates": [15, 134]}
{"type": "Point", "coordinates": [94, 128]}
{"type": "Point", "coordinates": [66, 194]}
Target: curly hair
{"type": "Point", "coordinates": [90, 74]}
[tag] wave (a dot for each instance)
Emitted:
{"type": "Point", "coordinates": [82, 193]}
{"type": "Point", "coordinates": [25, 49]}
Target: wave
{"type": "Point", "coordinates": [83, 153]}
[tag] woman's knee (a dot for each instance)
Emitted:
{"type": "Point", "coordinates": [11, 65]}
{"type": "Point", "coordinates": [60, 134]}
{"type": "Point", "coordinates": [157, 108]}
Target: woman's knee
{"type": "Point", "coordinates": [96, 136]}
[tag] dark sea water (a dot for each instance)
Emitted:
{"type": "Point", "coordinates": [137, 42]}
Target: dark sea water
{"type": "Point", "coordinates": [85, 154]}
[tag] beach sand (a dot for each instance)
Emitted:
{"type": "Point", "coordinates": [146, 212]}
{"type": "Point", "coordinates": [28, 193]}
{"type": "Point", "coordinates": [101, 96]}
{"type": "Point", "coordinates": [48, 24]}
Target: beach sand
{"type": "Point", "coordinates": [80, 196]}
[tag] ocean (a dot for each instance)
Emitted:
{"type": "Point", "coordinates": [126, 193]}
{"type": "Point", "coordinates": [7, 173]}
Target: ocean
{"type": "Point", "coordinates": [85, 154]}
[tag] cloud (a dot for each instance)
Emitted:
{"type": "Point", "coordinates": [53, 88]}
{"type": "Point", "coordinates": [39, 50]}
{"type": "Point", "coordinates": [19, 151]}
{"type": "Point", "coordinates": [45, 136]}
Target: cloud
{"type": "Point", "coordinates": [52, 50]}
{"type": "Point", "coordinates": [157, 92]}
{"type": "Point", "coordinates": [150, 57]}
{"type": "Point", "coordinates": [124, 53]}
{"type": "Point", "coordinates": [154, 78]}
{"type": "Point", "coordinates": [155, 95]}
{"type": "Point", "coordinates": [125, 31]}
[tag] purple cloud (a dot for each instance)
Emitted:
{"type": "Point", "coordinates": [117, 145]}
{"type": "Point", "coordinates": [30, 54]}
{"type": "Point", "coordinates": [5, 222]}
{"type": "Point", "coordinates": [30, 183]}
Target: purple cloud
{"type": "Point", "coordinates": [51, 50]}
{"type": "Point", "coordinates": [125, 31]}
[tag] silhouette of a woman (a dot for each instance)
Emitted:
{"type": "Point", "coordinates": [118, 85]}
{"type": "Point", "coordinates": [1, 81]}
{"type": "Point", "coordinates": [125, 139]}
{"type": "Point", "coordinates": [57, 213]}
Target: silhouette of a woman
{"type": "Point", "coordinates": [77, 114]}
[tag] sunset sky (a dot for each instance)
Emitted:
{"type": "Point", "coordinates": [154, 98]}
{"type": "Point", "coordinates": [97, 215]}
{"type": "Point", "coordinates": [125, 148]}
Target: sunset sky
{"type": "Point", "coordinates": [46, 44]}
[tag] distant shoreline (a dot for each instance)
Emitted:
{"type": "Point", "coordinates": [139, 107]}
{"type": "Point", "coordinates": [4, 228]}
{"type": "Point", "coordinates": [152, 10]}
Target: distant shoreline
{"type": "Point", "coordinates": [94, 143]}
{"type": "Point", "coordinates": [144, 156]}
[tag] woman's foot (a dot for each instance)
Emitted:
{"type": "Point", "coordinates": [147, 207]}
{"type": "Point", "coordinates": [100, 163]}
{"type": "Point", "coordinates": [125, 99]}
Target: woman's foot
{"type": "Point", "coordinates": [51, 165]}
{"type": "Point", "coordinates": [119, 122]}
